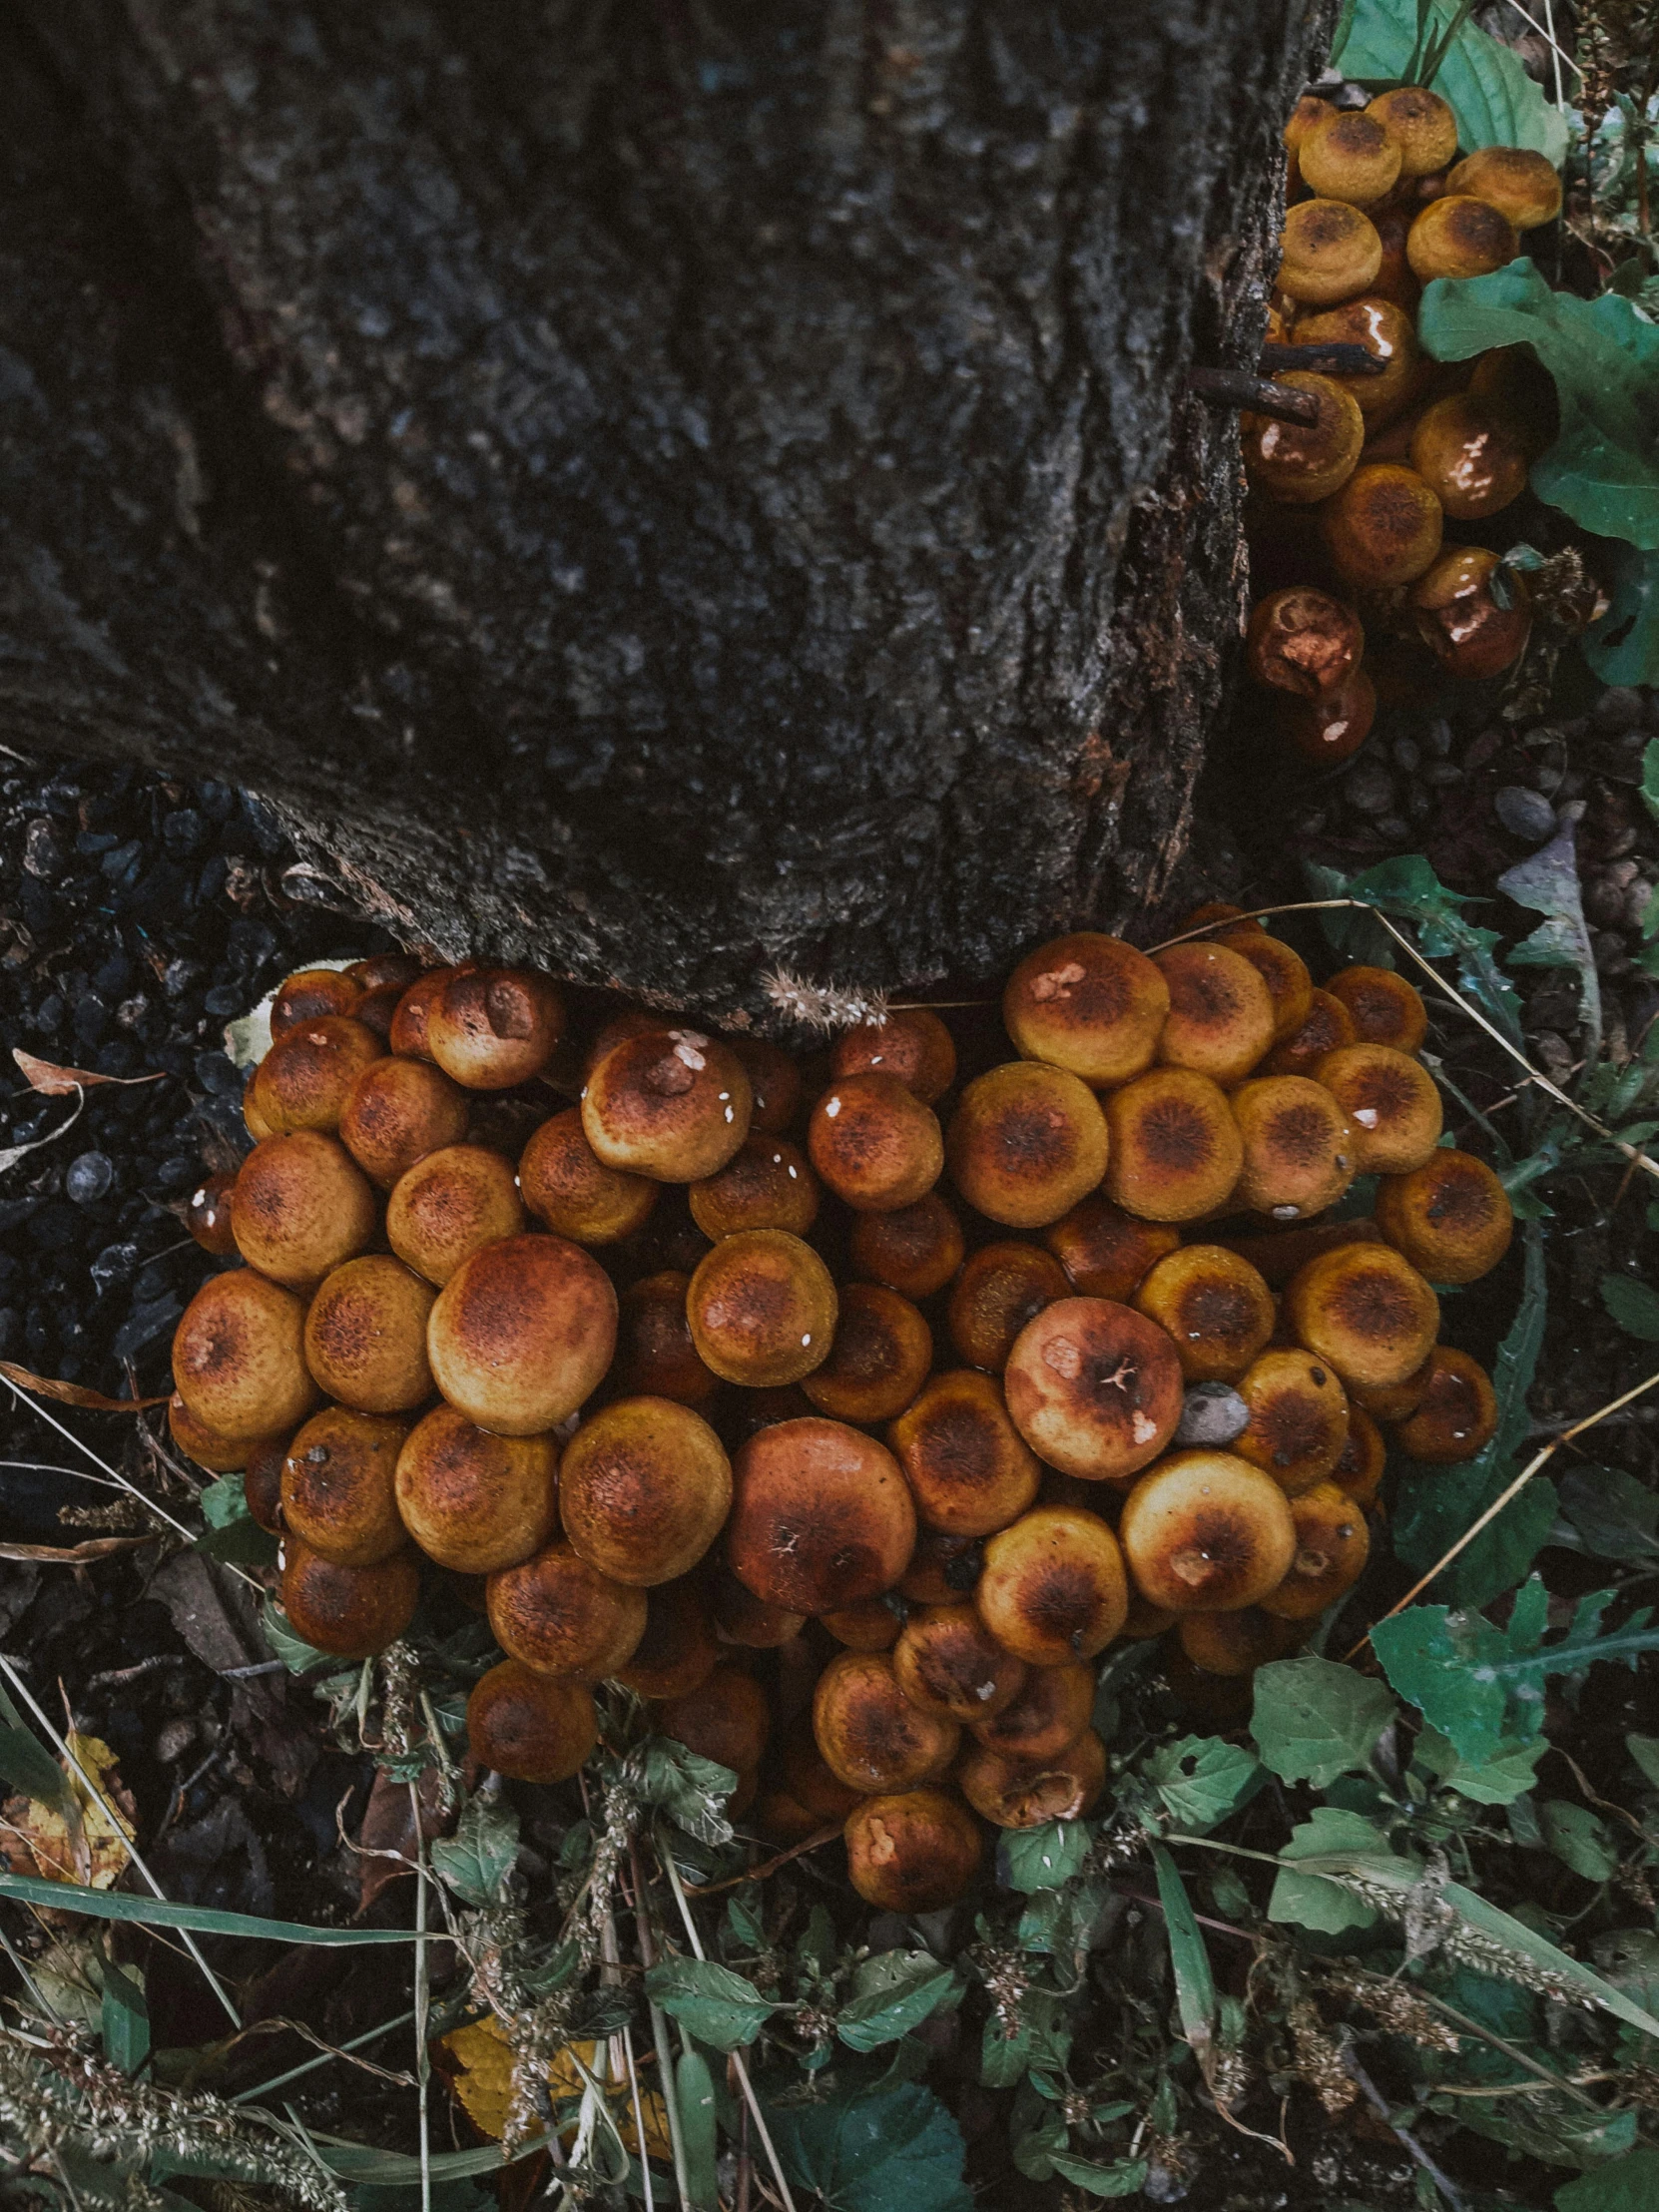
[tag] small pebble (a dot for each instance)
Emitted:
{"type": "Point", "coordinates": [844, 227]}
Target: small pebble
{"type": "Point", "coordinates": [1524, 814]}
{"type": "Point", "coordinates": [1369, 787]}
{"type": "Point", "coordinates": [1212, 1413]}
{"type": "Point", "coordinates": [1394, 829]}
{"type": "Point", "coordinates": [1617, 709]}
{"type": "Point", "coordinates": [1437, 738]}
{"type": "Point", "coordinates": [88, 1178]}
{"type": "Point", "coordinates": [1407, 753]}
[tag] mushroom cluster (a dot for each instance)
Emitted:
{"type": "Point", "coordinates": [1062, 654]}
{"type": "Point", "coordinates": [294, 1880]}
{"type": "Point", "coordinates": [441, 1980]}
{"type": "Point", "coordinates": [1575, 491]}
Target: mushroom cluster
{"type": "Point", "coordinates": [1350, 509]}
{"type": "Point", "coordinates": [669, 1351]}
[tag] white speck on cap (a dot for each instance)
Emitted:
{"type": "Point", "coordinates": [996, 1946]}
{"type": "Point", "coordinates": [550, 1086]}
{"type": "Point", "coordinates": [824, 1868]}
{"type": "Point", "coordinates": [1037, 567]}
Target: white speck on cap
{"type": "Point", "coordinates": [1366, 1116]}
{"type": "Point", "coordinates": [831, 1107]}
{"type": "Point", "coordinates": [807, 1339]}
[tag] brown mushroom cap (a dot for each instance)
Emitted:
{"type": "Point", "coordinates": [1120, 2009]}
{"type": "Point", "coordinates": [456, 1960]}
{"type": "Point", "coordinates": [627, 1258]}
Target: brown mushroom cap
{"type": "Point", "coordinates": [1523, 185]}
{"type": "Point", "coordinates": [1392, 1105]}
{"type": "Point", "coordinates": [352, 1612]}
{"type": "Point", "coordinates": [1105, 1252]}
{"type": "Point", "coordinates": [472, 1501]}
{"type": "Point", "coordinates": [1026, 1142]}
{"type": "Point", "coordinates": [870, 1625]}
{"type": "Point", "coordinates": [300, 1206]}
{"type": "Point", "coordinates": [766, 1184]}
{"type": "Point", "coordinates": [312, 992]}
{"type": "Point", "coordinates": [1046, 1716]}
{"type": "Point", "coordinates": [407, 1034]}
{"type": "Point", "coordinates": [644, 1489]}
{"type": "Point", "coordinates": [1383, 526]}
{"type": "Point", "coordinates": [949, 1663]}
{"type": "Point", "coordinates": [207, 1215]}
{"type": "Point", "coordinates": [821, 1516]}
{"type": "Point", "coordinates": [783, 1820]}
{"type": "Point", "coordinates": [1213, 1306]}
{"type": "Point", "coordinates": [522, 1333]}
{"type": "Point", "coordinates": [1298, 1146]}
{"type": "Point", "coordinates": [1327, 1026]}
{"type": "Point", "coordinates": [1088, 1004]}
{"type": "Point", "coordinates": [1393, 1401]}
{"type": "Point", "coordinates": [239, 1359]}
{"type": "Point", "coordinates": [448, 1206]}
{"type": "Point", "coordinates": [1176, 1151]}
{"type": "Point", "coordinates": [1332, 1547]}
{"type": "Point", "coordinates": [970, 1469]}
{"type": "Point", "coordinates": [1473, 457]}
{"type": "Point", "coordinates": [490, 1027]}
{"type": "Point", "coordinates": [338, 1486]}
{"type": "Point", "coordinates": [1349, 154]}
{"type": "Point", "coordinates": [1282, 969]}
{"type": "Point", "coordinates": [725, 1719]}
{"type": "Point", "coordinates": [1459, 235]}
{"type": "Point", "coordinates": [1206, 1532]}
{"type": "Point", "coordinates": [396, 1112]}
{"type": "Point", "coordinates": [1053, 1590]}
{"type": "Point", "coordinates": [1221, 1017]}
{"type": "Point", "coordinates": [1389, 335]}
{"type": "Point", "coordinates": [655, 1356]}
{"type": "Point", "coordinates": [262, 1482]}
{"type": "Point", "coordinates": [941, 1568]}
{"type": "Point", "coordinates": [1094, 1388]}
{"type": "Point", "coordinates": [1303, 642]}
{"type": "Point", "coordinates": [365, 1334]}
{"type": "Point", "coordinates": [1382, 1006]}
{"type": "Point", "coordinates": [872, 1735]}
{"type": "Point", "coordinates": [1299, 1415]}
{"type": "Point", "coordinates": [1365, 1457]}
{"type": "Point", "coordinates": [742, 1619]}
{"type": "Point", "coordinates": [1002, 1289]}
{"type": "Point", "coordinates": [570, 1190]}
{"type": "Point", "coordinates": [561, 1616]}
{"type": "Point", "coordinates": [879, 1361]}
{"type": "Point", "coordinates": [762, 1309]}
{"type": "Point", "coordinates": [672, 1104]}
{"type": "Point", "coordinates": [807, 1776]}
{"type": "Point", "coordinates": [912, 1044]}
{"type": "Point", "coordinates": [1364, 1311]}
{"type": "Point", "coordinates": [1234, 1643]}
{"type": "Point", "coordinates": [1452, 1217]}
{"type": "Point", "coordinates": [1422, 125]}
{"type": "Point", "coordinates": [1297, 463]}
{"type": "Point", "coordinates": [915, 1250]}
{"type": "Point", "coordinates": [1024, 1793]}
{"type": "Point", "coordinates": [874, 1144]}
{"type": "Point", "coordinates": [774, 1081]}
{"type": "Point", "coordinates": [305, 1078]}
{"type": "Point", "coordinates": [679, 1649]}
{"type": "Point", "coordinates": [530, 1726]}
{"type": "Point", "coordinates": [915, 1852]}
{"type": "Point", "coordinates": [1459, 619]}
{"type": "Point", "coordinates": [219, 1454]}
{"type": "Point", "coordinates": [1457, 1417]}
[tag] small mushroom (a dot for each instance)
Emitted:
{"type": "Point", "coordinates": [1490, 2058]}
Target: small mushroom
{"type": "Point", "coordinates": [949, 1663]}
{"type": "Point", "coordinates": [1053, 1590]}
{"type": "Point", "coordinates": [570, 1190]}
{"type": "Point", "coordinates": [239, 1361]}
{"type": "Point", "coordinates": [912, 1044]}
{"type": "Point", "coordinates": [1206, 1532]}
{"type": "Point", "coordinates": [305, 1078]}
{"type": "Point", "coordinates": [365, 1334]}
{"type": "Point", "coordinates": [1026, 1143]}
{"type": "Point", "coordinates": [1299, 1415]}
{"type": "Point", "coordinates": [1105, 1252]}
{"type": "Point", "coordinates": [725, 1719]}
{"type": "Point", "coordinates": [1214, 1306]}
{"type": "Point", "coordinates": [1176, 1151]}
{"type": "Point", "coordinates": [1382, 1006]}
{"type": "Point", "coordinates": [766, 1184]}
{"type": "Point", "coordinates": [522, 1333]}
{"type": "Point", "coordinates": [679, 1649]}
{"type": "Point", "coordinates": [655, 1356]}
{"type": "Point", "coordinates": [1456, 1416]}
{"type": "Point", "coordinates": [1298, 1147]}
{"type": "Point", "coordinates": [1332, 1547]}
{"type": "Point", "coordinates": [396, 1112]}
{"type": "Point", "coordinates": [672, 1104]}
{"type": "Point", "coordinates": [1364, 1311]}
{"type": "Point", "coordinates": [530, 1726]}
{"type": "Point", "coordinates": [351, 1612]}
{"type": "Point", "coordinates": [879, 1359]}
{"type": "Point", "coordinates": [872, 1735]}
{"type": "Point", "coordinates": [559, 1616]}
{"type": "Point", "coordinates": [1392, 1105]}
{"type": "Point", "coordinates": [915, 1250]}
{"type": "Point", "coordinates": [448, 1206]}
{"type": "Point", "coordinates": [338, 1486]}
{"type": "Point", "coordinates": [643, 1491]}
{"type": "Point", "coordinates": [1045, 1716]}
{"type": "Point", "coordinates": [1000, 1289]}
{"type": "Point", "coordinates": [300, 1206]}
{"type": "Point", "coordinates": [1452, 1217]}
{"type": "Point", "coordinates": [1088, 1004]}
{"type": "Point", "coordinates": [915, 1852]}
{"type": "Point", "coordinates": [874, 1143]}
{"type": "Point", "coordinates": [762, 1309]}
{"type": "Point", "coordinates": [968, 1468]}
{"type": "Point", "coordinates": [472, 1501]}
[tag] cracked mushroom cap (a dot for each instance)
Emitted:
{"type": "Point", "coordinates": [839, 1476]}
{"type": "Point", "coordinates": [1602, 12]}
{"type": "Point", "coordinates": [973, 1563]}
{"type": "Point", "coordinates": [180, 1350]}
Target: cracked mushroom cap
{"type": "Point", "coordinates": [821, 1517]}
{"type": "Point", "coordinates": [915, 1852]}
{"type": "Point", "coordinates": [670, 1104]}
{"type": "Point", "coordinates": [1206, 1532]}
{"type": "Point", "coordinates": [1094, 1388]}
{"type": "Point", "coordinates": [1024, 1793]}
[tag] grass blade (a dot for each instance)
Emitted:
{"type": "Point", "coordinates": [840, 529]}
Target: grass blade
{"type": "Point", "coordinates": [694, 2089]}
{"type": "Point", "coordinates": [116, 1904]}
{"type": "Point", "coordinates": [1195, 1986]}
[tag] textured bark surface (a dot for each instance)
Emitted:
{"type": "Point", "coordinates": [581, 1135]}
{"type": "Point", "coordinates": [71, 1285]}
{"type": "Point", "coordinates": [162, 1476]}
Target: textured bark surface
{"type": "Point", "coordinates": [662, 488]}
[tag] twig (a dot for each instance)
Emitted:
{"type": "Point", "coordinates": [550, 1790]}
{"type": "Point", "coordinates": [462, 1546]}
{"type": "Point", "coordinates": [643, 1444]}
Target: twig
{"type": "Point", "coordinates": [769, 1866]}
{"type": "Point", "coordinates": [1340, 360]}
{"type": "Point", "coordinates": [658, 2030]}
{"type": "Point", "coordinates": [122, 1482]}
{"type": "Point", "coordinates": [1237, 387]}
{"type": "Point", "coordinates": [1379, 2105]}
{"type": "Point", "coordinates": [324, 2054]}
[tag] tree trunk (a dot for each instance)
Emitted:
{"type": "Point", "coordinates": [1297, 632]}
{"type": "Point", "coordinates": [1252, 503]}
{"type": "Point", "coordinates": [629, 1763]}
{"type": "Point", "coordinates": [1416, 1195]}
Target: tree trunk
{"type": "Point", "coordinates": [663, 489]}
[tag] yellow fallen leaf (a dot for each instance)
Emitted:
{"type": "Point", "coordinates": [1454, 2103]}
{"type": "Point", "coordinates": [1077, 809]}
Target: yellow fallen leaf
{"type": "Point", "coordinates": [88, 1846]}
{"type": "Point", "coordinates": [483, 2080]}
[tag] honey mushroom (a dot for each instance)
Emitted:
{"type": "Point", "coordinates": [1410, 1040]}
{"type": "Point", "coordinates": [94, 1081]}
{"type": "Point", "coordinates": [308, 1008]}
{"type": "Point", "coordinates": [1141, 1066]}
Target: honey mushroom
{"type": "Point", "coordinates": [1472, 457]}
{"type": "Point", "coordinates": [880, 1358]}
{"type": "Point", "coordinates": [1458, 616]}
{"type": "Point", "coordinates": [1045, 1716]}
{"type": "Point", "coordinates": [679, 1649]}
{"type": "Point", "coordinates": [557, 1614]}
{"type": "Point", "coordinates": [949, 1664]}
{"type": "Point", "coordinates": [1298, 1150]}
{"type": "Point", "coordinates": [970, 1469]}
{"type": "Point", "coordinates": [913, 1043]}
{"type": "Point", "coordinates": [1421, 125]}
{"type": "Point", "coordinates": [1523, 185]}
{"type": "Point", "coordinates": [310, 994]}
{"type": "Point", "coordinates": [305, 1078]}
{"type": "Point", "coordinates": [1019, 1792]}
{"type": "Point", "coordinates": [1382, 1006]}
{"type": "Point", "coordinates": [1303, 642]}
{"type": "Point", "coordinates": [1365, 1457]}
{"type": "Point", "coordinates": [407, 1034]}
{"type": "Point", "coordinates": [1053, 1589]}
{"type": "Point", "coordinates": [1026, 1142]}
{"type": "Point", "coordinates": [1388, 334]}
{"type": "Point", "coordinates": [1094, 1388]}
{"type": "Point", "coordinates": [1331, 729]}
{"type": "Point", "coordinates": [1145, 1620]}
{"type": "Point", "coordinates": [1221, 1017]}
{"type": "Point", "coordinates": [396, 1112]}
{"type": "Point", "coordinates": [774, 1081]}
{"type": "Point", "coordinates": [767, 1184]}
{"type": "Point", "coordinates": [338, 1488]}
{"type": "Point", "coordinates": [1105, 1252]}
{"type": "Point", "coordinates": [530, 1726]}
{"type": "Point", "coordinates": [386, 972]}
{"type": "Point", "coordinates": [239, 1361]}
{"type": "Point", "coordinates": [1328, 252]}
{"type": "Point", "coordinates": [219, 1454]}
{"type": "Point", "coordinates": [725, 1719]}
{"type": "Point", "coordinates": [1299, 1415]}
{"type": "Point", "coordinates": [489, 1028]}
{"type": "Point", "coordinates": [472, 1501]}
{"type": "Point", "coordinates": [643, 1491]}
{"type": "Point", "coordinates": [874, 1144]}
{"type": "Point", "coordinates": [1206, 1532]}
{"type": "Point", "coordinates": [915, 1852]}
{"type": "Point", "coordinates": [671, 1104]}
{"type": "Point", "coordinates": [655, 1356]}
{"type": "Point", "coordinates": [762, 1309]}
{"type": "Point", "coordinates": [1364, 1311]}
{"type": "Point", "coordinates": [1327, 1027]}
{"type": "Point", "coordinates": [1175, 1151]}
{"type": "Point", "coordinates": [1333, 1544]}
{"type": "Point", "coordinates": [365, 1334]}
{"type": "Point", "coordinates": [522, 1333]}
{"type": "Point", "coordinates": [1213, 1306]}
{"type": "Point", "coordinates": [1452, 1217]}
{"type": "Point", "coordinates": [809, 1778]}
{"type": "Point", "coordinates": [1392, 1104]}
{"type": "Point", "coordinates": [1456, 1416]}
{"type": "Point", "coordinates": [1350, 153]}
{"type": "Point", "coordinates": [871, 1737]}
{"type": "Point", "coordinates": [1393, 279]}
{"type": "Point", "coordinates": [915, 1250]}
{"type": "Point", "coordinates": [1282, 969]}
{"type": "Point", "coordinates": [262, 1481]}
{"type": "Point", "coordinates": [1087, 1003]}
{"type": "Point", "coordinates": [1383, 527]}
{"type": "Point", "coordinates": [1300, 463]}
{"type": "Point", "coordinates": [1001, 1288]}
{"type": "Point", "coordinates": [207, 1215]}
{"type": "Point", "coordinates": [1393, 1402]}
{"type": "Point", "coordinates": [870, 1625]}
{"type": "Point", "coordinates": [567, 1187]}
{"type": "Point", "coordinates": [351, 1612]}
{"type": "Point", "coordinates": [299, 1207]}
{"type": "Point", "coordinates": [448, 1206]}
{"type": "Point", "coordinates": [821, 1516]}
{"type": "Point", "coordinates": [1234, 1643]}
{"type": "Point", "coordinates": [739, 1617]}
{"type": "Point", "coordinates": [1459, 235]}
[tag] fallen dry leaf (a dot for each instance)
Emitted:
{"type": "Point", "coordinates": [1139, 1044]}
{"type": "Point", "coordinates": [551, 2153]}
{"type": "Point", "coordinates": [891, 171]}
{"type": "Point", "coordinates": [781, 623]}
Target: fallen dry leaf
{"type": "Point", "coordinates": [12, 1153]}
{"type": "Point", "coordinates": [481, 2072]}
{"type": "Point", "coordinates": [386, 1839]}
{"type": "Point", "coordinates": [87, 1846]}
{"type": "Point", "coordinates": [75, 1555]}
{"type": "Point", "coordinates": [53, 1082]}
{"type": "Point", "coordinates": [72, 1394]}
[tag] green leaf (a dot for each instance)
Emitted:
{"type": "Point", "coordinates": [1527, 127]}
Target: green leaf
{"type": "Point", "coordinates": [894, 1993]}
{"type": "Point", "coordinates": [1623, 647]}
{"type": "Point", "coordinates": [1514, 1936]}
{"type": "Point", "coordinates": [693, 2090]}
{"type": "Point", "coordinates": [1603, 469]}
{"type": "Point", "coordinates": [1409, 889]}
{"type": "Point", "coordinates": [690, 1789]}
{"type": "Point", "coordinates": [1627, 2184]}
{"type": "Point", "coordinates": [225, 1500]}
{"type": "Point", "coordinates": [1645, 1751]}
{"type": "Point", "coordinates": [1496, 102]}
{"type": "Point", "coordinates": [238, 1543]}
{"type": "Point", "coordinates": [1313, 1720]}
{"type": "Point", "coordinates": [894, 2149]}
{"type": "Point", "coordinates": [1309, 1899]}
{"type": "Point", "coordinates": [116, 1904]}
{"type": "Point", "coordinates": [1547, 883]}
{"type": "Point", "coordinates": [1195, 1986]}
{"type": "Point", "coordinates": [1578, 1839]}
{"type": "Point", "coordinates": [711, 2002]}
{"type": "Point", "coordinates": [1125, 2178]}
{"type": "Point", "coordinates": [1635, 1305]}
{"type": "Point", "coordinates": [296, 1654]}
{"type": "Point", "coordinates": [1496, 1781]}
{"type": "Point", "coordinates": [1044, 1858]}
{"type": "Point", "coordinates": [476, 1860]}
{"type": "Point", "coordinates": [27, 1766]}
{"type": "Point", "coordinates": [1613, 1514]}
{"type": "Point", "coordinates": [125, 2023]}
{"type": "Point", "coordinates": [1202, 1779]}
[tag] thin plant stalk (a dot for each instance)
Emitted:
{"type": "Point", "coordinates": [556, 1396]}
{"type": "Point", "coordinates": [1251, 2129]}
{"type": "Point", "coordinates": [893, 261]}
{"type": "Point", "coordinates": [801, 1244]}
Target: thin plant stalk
{"type": "Point", "coordinates": [116, 1476]}
{"type": "Point", "coordinates": [322, 2059]}
{"type": "Point", "coordinates": [422, 2003]}
{"type": "Point", "coordinates": [659, 2031]}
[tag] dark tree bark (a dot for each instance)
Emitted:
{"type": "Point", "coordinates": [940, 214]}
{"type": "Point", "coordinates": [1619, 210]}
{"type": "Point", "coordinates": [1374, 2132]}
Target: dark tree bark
{"type": "Point", "coordinates": [663, 488]}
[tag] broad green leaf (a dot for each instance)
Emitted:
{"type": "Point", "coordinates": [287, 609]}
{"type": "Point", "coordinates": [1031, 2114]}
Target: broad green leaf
{"type": "Point", "coordinates": [1496, 102]}
{"type": "Point", "coordinates": [1195, 1985]}
{"type": "Point", "coordinates": [1496, 1781]}
{"type": "Point", "coordinates": [894, 1993]}
{"type": "Point", "coordinates": [690, 1789]}
{"type": "Point", "coordinates": [116, 1904]}
{"type": "Point", "coordinates": [224, 1500]}
{"type": "Point", "coordinates": [1044, 1858]}
{"type": "Point", "coordinates": [476, 1860]}
{"type": "Point", "coordinates": [1578, 1839]}
{"type": "Point", "coordinates": [710, 2001]}
{"type": "Point", "coordinates": [893, 2149]}
{"type": "Point", "coordinates": [1309, 1899]}
{"type": "Point", "coordinates": [1613, 1516]}
{"type": "Point", "coordinates": [1627, 2184]}
{"type": "Point", "coordinates": [1623, 647]}
{"type": "Point", "coordinates": [1202, 1779]}
{"type": "Point", "coordinates": [1126, 2177]}
{"type": "Point", "coordinates": [1645, 1751]}
{"type": "Point", "coordinates": [1313, 1720]}
{"type": "Point", "coordinates": [1603, 469]}
{"type": "Point", "coordinates": [126, 2017]}
{"type": "Point", "coordinates": [1633, 1304]}
{"type": "Point", "coordinates": [693, 2090]}
{"type": "Point", "coordinates": [26, 1765]}
{"type": "Point", "coordinates": [240, 1543]}
{"type": "Point", "coordinates": [1547, 883]}
{"type": "Point", "coordinates": [296, 1654]}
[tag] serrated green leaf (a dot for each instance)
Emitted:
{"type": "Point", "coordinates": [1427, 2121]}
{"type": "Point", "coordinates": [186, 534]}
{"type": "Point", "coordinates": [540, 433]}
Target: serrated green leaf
{"type": "Point", "coordinates": [476, 1860]}
{"type": "Point", "coordinates": [1627, 2184]}
{"type": "Point", "coordinates": [125, 2023]}
{"type": "Point", "coordinates": [1313, 1720]}
{"type": "Point", "coordinates": [894, 2149]}
{"type": "Point", "coordinates": [1635, 1305]}
{"type": "Point", "coordinates": [1578, 1839]}
{"type": "Point", "coordinates": [1202, 1779]}
{"type": "Point", "coordinates": [694, 2092]}
{"type": "Point", "coordinates": [224, 1500]}
{"type": "Point", "coordinates": [1126, 2177]}
{"type": "Point", "coordinates": [1308, 1899]}
{"type": "Point", "coordinates": [690, 1789]}
{"type": "Point", "coordinates": [892, 1994]}
{"type": "Point", "coordinates": [1042, 1858]}
{"type": "Point", "coordinates": [1496, 1781]}
{"type": "Point", "coordinates": [711, 2002]}
{"type": "Point", "coordinates": [1407, 889]}
{"type": "Point", "coordinates": [27, 1765]}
